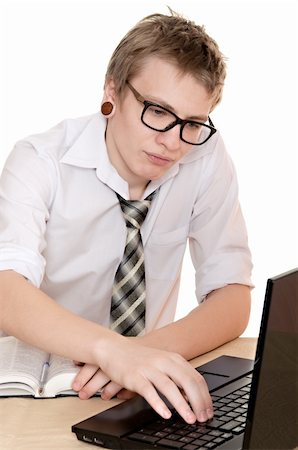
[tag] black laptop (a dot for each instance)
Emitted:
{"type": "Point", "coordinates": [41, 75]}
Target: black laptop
{"type": "Point", "coordinates": [255, 402]}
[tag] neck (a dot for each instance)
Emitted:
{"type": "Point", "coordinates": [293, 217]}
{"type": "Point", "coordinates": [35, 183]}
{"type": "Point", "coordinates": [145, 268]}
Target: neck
{"type": "Point", "coordinates": [136, 192]}
{"type": "Point", "coordinates": [137, 185]}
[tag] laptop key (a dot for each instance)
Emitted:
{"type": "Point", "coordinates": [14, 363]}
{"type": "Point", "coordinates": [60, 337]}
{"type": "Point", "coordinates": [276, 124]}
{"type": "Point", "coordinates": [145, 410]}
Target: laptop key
{"type": "Point", "coordinates": [207, 437]}
{"type": "Point", "coordinates": [240, 401]}
{"type": "Point", "coordinates": [232, 396]}
{"type": "Point", "coordinates": [241, 419]}
{"type": "Point", "coordinates": [194, 435]}
{"type": "Point", "coordinates": [190, 447]}
{"type": "Point", "coordinates": [143, 438]}
{"type": "Point", "coordinates": [227, 436]}
{"type": "Point", "coordinates": [240, 410]}
{"type": "Point", "coordinates": [160, 434]}
{"type": "Point", "coordinates": [170, 429]}
{"type": "Point", "coordinates": [232, 414]}
{"type": "Point", "coordinates": [233, 405]}
{"type": "Point", "coordinates": [227, 408]}
{"type": "Point", "coordinates": [173, 437]}
{"type": "Point", "coordinates": [219, 440]}
{"type": "Point", "coordinates": [210, 445]}
{"type": "Point", "coordinates": [225, 418]}
{"type": "Point", "coordinates": [215, 433]}
{"type": "Point", "coordinates": [186, 439]}
{"type": "Point", "coordinates": [229, 426]}
{"type": "Point", "coordinates": [146, 430]}
{"type": "Point", "coordinates": [214, 423]}
{"type": "Point", "coordinates": [158, 425]}
{"type": "Point", "coordinates": [224, 400]}
{"type": "Point", "coordinates": [199, 442]}
{"type": "Point", "coordinates": [172, 444]}
{"type": "Point", "coordinates": [247, 388]}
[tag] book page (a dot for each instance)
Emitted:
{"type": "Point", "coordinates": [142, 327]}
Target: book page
{"type": "Point", "coordinates": [21, 363]}
{"type": "Point", "coordinates": [60, 376]}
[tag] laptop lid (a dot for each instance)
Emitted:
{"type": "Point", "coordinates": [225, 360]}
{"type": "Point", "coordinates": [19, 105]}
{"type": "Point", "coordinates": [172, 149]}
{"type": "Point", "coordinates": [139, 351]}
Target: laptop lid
{"type": "Point", "coordinates": [272, 418]}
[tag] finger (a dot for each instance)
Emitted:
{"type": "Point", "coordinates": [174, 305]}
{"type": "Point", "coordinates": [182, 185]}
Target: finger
{"type": "Point", "coordinates": [145, 388]}
{"type": "Point", "coordinates": [83, 376]}
{"type": "Point", "coordinates": [200, 399]}
{"type": "Point", "coordinates": [170, 390]}
{"type": "Point", "coordinates": [94, 385]}
{"type": "Point", "coordinates": [110, 390]}
{"type": "Point", "coordinates": [125, 394]}
{"type": "Point", "coordinates": [195, 389]}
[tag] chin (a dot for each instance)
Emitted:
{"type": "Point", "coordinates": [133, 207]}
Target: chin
{"type": "Point", "coordinates": [153, 174]}
{"type": "Point", "coordinates": [156, 177]}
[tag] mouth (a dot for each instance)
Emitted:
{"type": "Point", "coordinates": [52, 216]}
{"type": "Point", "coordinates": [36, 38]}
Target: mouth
{"type": "Point", "coordinates": [158, 159]}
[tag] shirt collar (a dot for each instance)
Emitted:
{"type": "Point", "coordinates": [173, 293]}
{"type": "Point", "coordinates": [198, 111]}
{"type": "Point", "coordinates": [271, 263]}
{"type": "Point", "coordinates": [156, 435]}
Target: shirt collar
{"type": "Point", "coordinates": [89, 151]}
{"type": "Point", "coordinates": [85, 151]}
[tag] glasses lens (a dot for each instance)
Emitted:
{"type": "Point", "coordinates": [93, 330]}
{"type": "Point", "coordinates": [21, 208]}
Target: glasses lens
{"type": "Point", "coordinates": [195, 133]}
{"type": "Point", "coordinates": [161, 119]}
{"type": "Point", "coordinates": [158, 118]}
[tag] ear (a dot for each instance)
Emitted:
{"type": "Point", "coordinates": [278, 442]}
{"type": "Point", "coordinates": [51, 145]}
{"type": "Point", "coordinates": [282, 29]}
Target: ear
{"type": "Point", "coordinates": [110, 92]}
{"type": "Point", "coordinates": [108, 104]}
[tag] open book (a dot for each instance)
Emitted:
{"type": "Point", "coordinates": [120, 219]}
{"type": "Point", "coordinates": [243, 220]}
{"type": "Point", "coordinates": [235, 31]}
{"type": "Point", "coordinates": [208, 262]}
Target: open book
{"type": "Point", "coordinates": [25, 370]}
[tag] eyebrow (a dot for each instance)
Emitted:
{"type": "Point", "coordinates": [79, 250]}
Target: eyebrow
{"type": "Point", "coordinates": [159, 102]}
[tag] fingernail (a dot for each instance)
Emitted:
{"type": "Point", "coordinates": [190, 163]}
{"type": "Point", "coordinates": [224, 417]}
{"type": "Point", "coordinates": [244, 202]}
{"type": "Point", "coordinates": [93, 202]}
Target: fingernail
{"type": "Point", "coordinates": [105, 395]}
{"type": "Point", "coordinates": [83, 395]}
{"type": "Point", "coordinates": [209, 413]}
{"type": "Point", "coordinates": [166, 413]}
{"type": "Point", "coordinates": [190, 417]}
{"type": "Point", "coordinates": [203, 416]}
{"type": "Point", "coordinates": [76, 386]}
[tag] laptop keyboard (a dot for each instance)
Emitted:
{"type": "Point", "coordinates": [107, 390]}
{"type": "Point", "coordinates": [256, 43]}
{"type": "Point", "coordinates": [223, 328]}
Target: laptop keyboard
{"type": "Point", "coordinates": [229, 420]}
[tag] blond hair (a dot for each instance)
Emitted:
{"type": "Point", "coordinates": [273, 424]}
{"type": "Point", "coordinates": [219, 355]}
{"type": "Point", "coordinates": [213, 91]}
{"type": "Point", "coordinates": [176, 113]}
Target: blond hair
{"type": "Point", "coordinates": [176, 40]}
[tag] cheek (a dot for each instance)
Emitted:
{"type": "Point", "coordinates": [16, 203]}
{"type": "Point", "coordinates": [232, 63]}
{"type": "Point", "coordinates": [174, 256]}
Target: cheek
{"type": "Point", "coordinates": [186, 149]}
{"type": "Point", "coordinates": [133, 131]}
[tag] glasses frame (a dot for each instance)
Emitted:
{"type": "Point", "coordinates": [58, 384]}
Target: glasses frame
{"type": "Point", "coordinates": [178, 121]}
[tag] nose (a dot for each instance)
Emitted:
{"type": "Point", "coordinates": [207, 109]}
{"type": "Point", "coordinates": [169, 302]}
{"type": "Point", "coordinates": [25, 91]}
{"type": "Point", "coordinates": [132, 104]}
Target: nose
{"type": "Point", "coordinates": [170, 139]}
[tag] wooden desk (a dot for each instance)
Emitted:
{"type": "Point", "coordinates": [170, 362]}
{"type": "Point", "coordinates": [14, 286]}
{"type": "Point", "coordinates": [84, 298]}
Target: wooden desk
{"type": "Point", "coordinates": [30, 424]}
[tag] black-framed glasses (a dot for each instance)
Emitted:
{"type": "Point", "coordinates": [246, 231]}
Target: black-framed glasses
{"type": "Point", "coordinates": [161, 119]}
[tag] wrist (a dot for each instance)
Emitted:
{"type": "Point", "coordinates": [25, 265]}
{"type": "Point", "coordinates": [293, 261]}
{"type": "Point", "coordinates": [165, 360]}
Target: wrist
{"type": "Point", "coordinates": [105, 347]}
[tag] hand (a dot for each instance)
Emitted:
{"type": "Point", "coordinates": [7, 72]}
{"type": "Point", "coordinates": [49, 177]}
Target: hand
{"type": "Point", "coordinates": [89, 380]}
{"type": "Point", "coordinates": [149, 371]}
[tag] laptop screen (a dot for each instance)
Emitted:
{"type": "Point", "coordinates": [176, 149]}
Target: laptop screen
{"type": "Point", "coordinates": [272, 420]}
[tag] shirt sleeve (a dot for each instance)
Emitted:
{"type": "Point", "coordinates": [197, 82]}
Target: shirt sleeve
{"type": "Point", "coordinates": [218, 236]}
{"type": "Point", "coordinates": [26, 192]}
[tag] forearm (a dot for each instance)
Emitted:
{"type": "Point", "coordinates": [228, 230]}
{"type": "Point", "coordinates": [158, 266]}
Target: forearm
{"type": "Point", "coordinates": [222, 317]}
{"type": "Point", "coordinates": [32, 316]}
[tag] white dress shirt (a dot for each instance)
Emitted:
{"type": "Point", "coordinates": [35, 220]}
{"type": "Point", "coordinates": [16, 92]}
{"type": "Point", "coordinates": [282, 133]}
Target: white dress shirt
{"type": "Point", "coordinates": [62, 228]}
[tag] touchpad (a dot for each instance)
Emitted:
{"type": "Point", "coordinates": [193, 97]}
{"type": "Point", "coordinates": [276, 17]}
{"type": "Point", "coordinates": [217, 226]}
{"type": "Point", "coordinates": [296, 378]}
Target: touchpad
{"type": "Point", "coordinates": [214, 381]}
{"type": "Point", "coordinates": [225, 369]}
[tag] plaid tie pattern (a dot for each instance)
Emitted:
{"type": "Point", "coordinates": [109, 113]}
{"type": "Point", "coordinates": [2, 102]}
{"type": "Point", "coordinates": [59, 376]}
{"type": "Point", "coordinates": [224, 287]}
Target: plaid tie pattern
{"type": "Point", "coordinates": [128, 298]}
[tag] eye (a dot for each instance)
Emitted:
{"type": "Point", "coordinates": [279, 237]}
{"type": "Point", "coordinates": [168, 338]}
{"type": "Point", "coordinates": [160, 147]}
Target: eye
{"type": "Point", "coordinates": [194, 125]}
{"type": "Point", "coordinates": [155, 110]}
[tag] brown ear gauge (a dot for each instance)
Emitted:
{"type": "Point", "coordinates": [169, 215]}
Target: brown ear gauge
{"type": "Point", "coordinates": [107, 108]}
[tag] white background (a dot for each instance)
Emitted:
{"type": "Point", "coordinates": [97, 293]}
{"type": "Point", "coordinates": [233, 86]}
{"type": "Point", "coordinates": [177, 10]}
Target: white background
{"type": "Point", "coordinates": [53, 60]}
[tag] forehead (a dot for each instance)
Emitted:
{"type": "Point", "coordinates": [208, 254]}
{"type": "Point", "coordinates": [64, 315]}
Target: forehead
{"type": "Point", "coordinates": [161, 81]}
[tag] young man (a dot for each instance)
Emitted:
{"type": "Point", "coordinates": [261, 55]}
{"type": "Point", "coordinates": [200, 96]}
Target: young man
{"type": "Point", "coordinates": [66, 233]}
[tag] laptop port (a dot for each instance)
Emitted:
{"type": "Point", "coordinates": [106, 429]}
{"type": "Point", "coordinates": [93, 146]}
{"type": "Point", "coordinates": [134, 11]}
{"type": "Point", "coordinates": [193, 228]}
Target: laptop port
{"type": "Point", "coordinates": [87, 439]}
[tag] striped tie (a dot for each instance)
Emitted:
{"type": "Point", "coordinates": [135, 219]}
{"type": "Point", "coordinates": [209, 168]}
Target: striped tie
{"type": "Point", "coordinates": [128, 299]}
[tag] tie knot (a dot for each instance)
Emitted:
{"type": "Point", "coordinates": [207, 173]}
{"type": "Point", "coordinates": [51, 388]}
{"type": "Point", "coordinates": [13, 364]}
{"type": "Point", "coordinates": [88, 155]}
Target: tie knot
{"type": "Point", "coordinates": [135, 211]}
